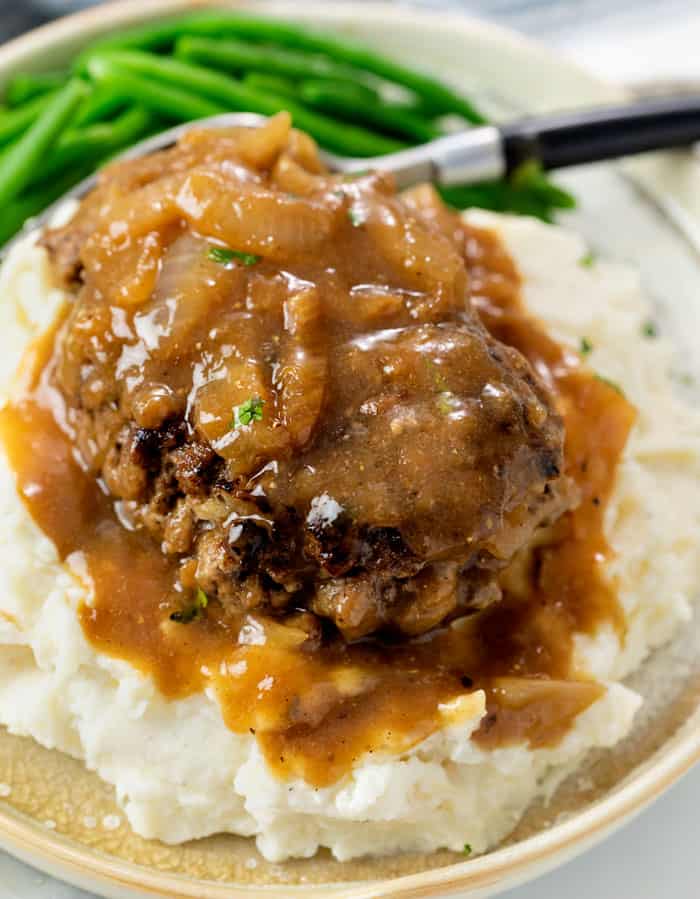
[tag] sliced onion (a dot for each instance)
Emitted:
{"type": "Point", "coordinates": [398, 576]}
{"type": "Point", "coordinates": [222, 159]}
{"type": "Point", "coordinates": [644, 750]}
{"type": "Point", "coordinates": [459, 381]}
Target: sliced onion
{"type": "Point", "coordinates": [304, 365]}
{"type": "Point", "coordinates": [254, 219]}
{"type": "Point", "coordinates": [189, 287]}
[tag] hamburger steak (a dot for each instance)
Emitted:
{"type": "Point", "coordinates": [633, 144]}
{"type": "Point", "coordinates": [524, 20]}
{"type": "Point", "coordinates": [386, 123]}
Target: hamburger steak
{"type": "Point", "coordinates": [279, 373]}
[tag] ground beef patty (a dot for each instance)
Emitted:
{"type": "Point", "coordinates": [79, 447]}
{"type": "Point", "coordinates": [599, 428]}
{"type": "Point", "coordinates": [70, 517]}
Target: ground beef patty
{"type": "Point", "coordinates": [280, 374]}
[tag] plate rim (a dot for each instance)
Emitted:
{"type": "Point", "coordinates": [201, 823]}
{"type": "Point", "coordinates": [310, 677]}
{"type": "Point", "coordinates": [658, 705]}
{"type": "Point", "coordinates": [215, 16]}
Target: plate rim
{"type": "Point", "coordinates": [92, 869]}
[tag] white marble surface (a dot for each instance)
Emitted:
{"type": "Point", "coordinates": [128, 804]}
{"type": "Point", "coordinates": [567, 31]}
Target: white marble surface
{"type": "Point", "coordinates": [655, 855]}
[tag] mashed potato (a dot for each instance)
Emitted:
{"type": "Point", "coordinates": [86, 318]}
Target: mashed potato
{"type": "Point", "coordinates": [179, 773]}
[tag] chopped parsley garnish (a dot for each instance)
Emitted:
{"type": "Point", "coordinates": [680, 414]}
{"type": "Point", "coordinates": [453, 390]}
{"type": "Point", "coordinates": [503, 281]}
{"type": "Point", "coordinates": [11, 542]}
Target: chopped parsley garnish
{"type": "Point", "coordinates": [586, 346]}
{"type": "Point", "coordinates": [588, 259]}
{"type": "Point", "coordinates": [248, 412]}
{"type": "Point", "coordinates": [357, 216]}
{"type": "Point", "coordinates": [650, 329]}
{"type": "Point", "coordinates": [224, 256]}
{"type": "Point", "coordinates": [446, 402]}
{"type": "Point", "coordinates": [353, 176]}
{"type": "Point", "coordinates": [610, 383]}
{"type": "Point", "coordinates": [193, 611]}
{"type": "Point", "coordinates": [467, 850]}
{"type": "Point", "coordinates": [438, 377]}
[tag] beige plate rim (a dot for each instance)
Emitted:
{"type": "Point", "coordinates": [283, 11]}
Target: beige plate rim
{"type": "Point", "coordinates": [30, 842]}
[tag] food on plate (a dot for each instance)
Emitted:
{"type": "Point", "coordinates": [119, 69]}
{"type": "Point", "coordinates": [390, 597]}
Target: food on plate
{"type": "Point", "coordinates": [134, 83]}
{"type": "Point", "coordinates": [377, 453]}
{"type": "Point", "coordinates": [322, 478]}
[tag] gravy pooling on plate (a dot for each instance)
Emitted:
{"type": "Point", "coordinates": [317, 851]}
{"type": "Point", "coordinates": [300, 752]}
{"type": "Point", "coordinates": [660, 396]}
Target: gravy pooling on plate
{"type": "Point", "coordinates": [308, 448]}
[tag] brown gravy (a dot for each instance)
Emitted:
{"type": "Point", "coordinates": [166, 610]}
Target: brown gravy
{"type": "Point", "coordinates": [519, 649]}
{"type": "Point", "coordinates": [317, 709]}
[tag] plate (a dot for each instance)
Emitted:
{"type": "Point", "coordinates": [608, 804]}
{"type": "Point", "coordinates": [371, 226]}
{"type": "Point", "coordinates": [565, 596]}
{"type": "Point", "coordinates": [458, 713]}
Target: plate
{"type": "Point", "coordinates": [62, 819]}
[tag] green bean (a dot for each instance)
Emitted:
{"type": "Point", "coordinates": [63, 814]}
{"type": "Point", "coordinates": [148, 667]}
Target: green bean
{"type": "Point", "coordinates": [423, 109]}
{"type": "Point", "coordinates": [274, 84]}
{"type": "Point", "coordinates": [97, 141]}
{"type": "Point", "coordinates": [17, 211]}
{"type": "Point", "coordinates": [23, 87]}
{"type": "Point", "coordinates": [234, 95]}
{"type": "Point", "coordinates": [360, 93]}
{"type": "Point", "coordinates": [237, 57]}
{"type": "Point", "coordinates": [530, 177]}
{"type": "Point", "coordinates": [486, 195]}
{"type": "Point", "coordinates": [502, 196]}
{"type": "Point", "coordinates": [15, 121]}
{"type": "Point", "coordinates": [527, 191]}
{"type": "Point", "coordinates": [164, 99]}
{"type": "Point", "coordinates": [21, 160]}
{"type": "Point", "coordinates": [343, 102]}
{"type": "Point", "coordinates": [218, 24]}
{"type": "Point", "coordinates": [269, 30]}
{"type": "Point", "coordinates": [490, 196]}
{"type": "Point", "coordinates": [271, 84]}
{"type": "Point", "coordinates": [101, 104]}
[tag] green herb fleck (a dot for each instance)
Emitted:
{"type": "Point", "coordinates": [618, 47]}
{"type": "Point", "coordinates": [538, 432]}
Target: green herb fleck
{"type": "Point", "coordinates": [467, 850]}
{"type": "Point", "coordinates": [438, 377]}
{"type": "Point", "coordinates": [193, 611]}
{"type": "Point", "coordinates": [586, 347]}
{"type": "Point", "coordinates": [224, 256]}
{"type": "Point", "coordinates": [650, 329]}
{"type": "Point", "coordinates": [248, 412]}
{"type": "Point", "coordinates": [357, 216]}
{"type": "Point", "coordinates": [532, 192]}
{"type": "Point", "coordinates": [353, 176]}
{"type": "Point", "coordinates": [610, 383]}
{"type": "Point", "coordinates": [446, 402]}
{"type": "Point", "coordinates": [524, 173]}
{"type": "Point", "coordinates": [588, 259]}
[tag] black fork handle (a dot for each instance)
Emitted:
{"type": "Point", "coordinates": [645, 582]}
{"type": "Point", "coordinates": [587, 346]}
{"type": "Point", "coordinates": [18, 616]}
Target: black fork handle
{"type": "Point", "coordinates": [574, 138]}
